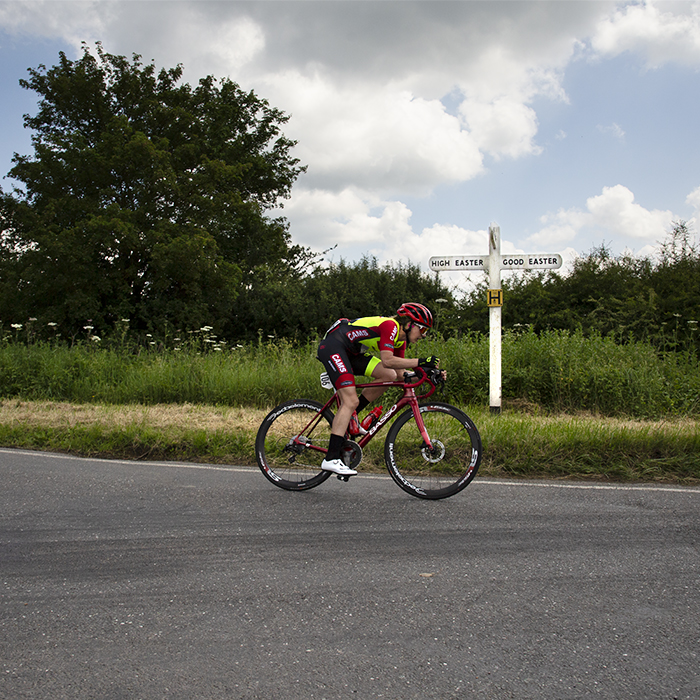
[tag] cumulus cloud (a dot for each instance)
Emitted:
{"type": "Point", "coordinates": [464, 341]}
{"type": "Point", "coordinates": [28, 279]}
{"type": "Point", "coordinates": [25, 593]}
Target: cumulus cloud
{"type": "Point", "coordinates": [324, 218]}
{"type": "Point", "coordinates": [614, 211]}
{"type": "Point", "coordinates": [560, 227]}
{"type": "Point", "coordinates": [383, 140]}
{"type": "Point", "coordinates": [71, 21]}
{"type": "Point", "coordinates": [503, 128]}
{"type": "Point", "coordinates": [439, 239]}
{"type": "Point", "coordinates": [654, 30]}
{"type": "Point", "coordinates": [361, 81]}
{"type": "Point", "coordinates": [191, 33]}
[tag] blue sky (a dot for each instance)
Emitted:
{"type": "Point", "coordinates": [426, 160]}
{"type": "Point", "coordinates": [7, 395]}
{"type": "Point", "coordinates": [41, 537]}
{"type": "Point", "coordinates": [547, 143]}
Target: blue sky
{"type": "Point", "coordinates": [570, 124]}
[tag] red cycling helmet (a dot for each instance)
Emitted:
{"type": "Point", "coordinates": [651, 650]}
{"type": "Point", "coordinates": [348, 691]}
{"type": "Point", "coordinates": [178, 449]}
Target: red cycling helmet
{"type": "Point", "coordinates": [417, 313]}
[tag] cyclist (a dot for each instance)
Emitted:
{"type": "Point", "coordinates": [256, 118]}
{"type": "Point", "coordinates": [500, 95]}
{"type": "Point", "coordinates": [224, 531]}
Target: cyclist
{"type": "Point", "coordinates": [344, 353]}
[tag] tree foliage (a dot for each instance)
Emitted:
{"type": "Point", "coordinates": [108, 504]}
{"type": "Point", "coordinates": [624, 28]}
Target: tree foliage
{"type": "Point", "coordinates": [306, 305]}
{"type": "Point", "coordinates": [145, 197]}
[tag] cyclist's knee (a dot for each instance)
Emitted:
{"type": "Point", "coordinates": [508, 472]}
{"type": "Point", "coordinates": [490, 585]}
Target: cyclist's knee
{"type": "Point", "coordinates": [348, 397]}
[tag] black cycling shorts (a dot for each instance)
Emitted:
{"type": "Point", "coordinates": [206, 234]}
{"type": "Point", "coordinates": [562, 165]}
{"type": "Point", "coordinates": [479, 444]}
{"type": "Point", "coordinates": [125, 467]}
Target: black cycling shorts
{"type": "Point", "coordinates": [341, 365]}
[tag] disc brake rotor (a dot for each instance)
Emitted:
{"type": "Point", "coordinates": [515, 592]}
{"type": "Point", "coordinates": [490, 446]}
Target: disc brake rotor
{"type": "Point", "coordinates": [434, 455]}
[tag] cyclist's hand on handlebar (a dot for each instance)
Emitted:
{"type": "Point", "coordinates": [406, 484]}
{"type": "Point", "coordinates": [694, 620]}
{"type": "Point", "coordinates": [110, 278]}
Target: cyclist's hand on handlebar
{"type": "Point", "coordinates": [431, 362]}
{"type": "Point", "coordinates": [435, 376]}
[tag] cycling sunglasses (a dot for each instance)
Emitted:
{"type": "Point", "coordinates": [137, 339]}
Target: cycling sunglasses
{"type": "Point", "coordinates": [423, 329]}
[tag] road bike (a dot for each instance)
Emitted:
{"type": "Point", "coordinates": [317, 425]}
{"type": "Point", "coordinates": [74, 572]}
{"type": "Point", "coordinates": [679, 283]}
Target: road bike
{"type": "Point", "coordinates": [432, 450]}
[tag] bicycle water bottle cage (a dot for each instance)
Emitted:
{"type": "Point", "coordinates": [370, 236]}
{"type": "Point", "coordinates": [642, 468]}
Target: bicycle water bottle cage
{"type": "Point", "coordinates": [326, 382]}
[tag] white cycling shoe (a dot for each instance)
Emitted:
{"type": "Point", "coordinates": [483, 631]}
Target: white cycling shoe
{"type": "Point", "coordinates": [337, 466]}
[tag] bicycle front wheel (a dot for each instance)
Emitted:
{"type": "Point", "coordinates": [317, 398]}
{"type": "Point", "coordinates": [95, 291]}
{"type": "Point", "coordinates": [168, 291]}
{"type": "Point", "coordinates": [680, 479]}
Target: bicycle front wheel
{"type": "Point", "coordinates": [291, 443]}
{"type": "Point", "coordinates": [440, 471]}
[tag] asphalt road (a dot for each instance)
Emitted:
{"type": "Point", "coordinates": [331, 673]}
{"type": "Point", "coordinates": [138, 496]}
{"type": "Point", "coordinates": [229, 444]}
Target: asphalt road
{"type": "Point", "coordinates": [151, 580]}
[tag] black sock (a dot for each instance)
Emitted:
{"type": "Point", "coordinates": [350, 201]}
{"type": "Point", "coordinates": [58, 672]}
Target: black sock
{"type": "Point", "coordinates": [364, 402]}
{"type": "Point", "coordinates": [335, 444]}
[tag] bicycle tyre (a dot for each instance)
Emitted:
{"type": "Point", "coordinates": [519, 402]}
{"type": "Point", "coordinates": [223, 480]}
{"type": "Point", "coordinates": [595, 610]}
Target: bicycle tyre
{"type": "Point", "coordinates": [293, 466]}
{"type": "Point", "coordinates": [453, 462]}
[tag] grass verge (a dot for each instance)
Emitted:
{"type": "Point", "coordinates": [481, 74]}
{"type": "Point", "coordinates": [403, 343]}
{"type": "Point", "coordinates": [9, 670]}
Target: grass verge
{"type": "Point", "coordinates": [515, 444]}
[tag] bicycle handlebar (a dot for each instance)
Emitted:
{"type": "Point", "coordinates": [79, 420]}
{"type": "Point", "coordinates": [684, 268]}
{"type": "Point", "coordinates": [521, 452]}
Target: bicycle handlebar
{"type": "Point", "coordinates": [430, 374]}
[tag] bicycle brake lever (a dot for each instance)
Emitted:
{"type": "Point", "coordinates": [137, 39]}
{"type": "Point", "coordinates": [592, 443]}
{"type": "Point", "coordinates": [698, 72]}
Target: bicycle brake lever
{"type": "Point", "coordinates": [437, 380]}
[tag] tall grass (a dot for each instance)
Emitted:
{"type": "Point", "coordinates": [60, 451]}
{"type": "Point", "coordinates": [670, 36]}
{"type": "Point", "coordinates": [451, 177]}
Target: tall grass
{"type": "Point", "coordinates": [553, 372]}
{"type": "Point", "coordinates": [558, 371]}
{"type": "Point", "coordinates": [570, 372]}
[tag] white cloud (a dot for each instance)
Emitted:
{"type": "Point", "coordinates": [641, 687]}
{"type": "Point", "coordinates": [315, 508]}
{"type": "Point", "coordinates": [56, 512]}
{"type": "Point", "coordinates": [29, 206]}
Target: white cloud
{"type": "Point", "coordinates": [371, 136]}
{"type": "Point", "coordinates": [694, 200]}
{"type": "Point", "coordinates": [191, 33]}
{"type": "Point", "coordinates": [228, 46]}
{"type": "Point", "coordinates": [440, 239]}
{"type": "Point", "coordinates": [71, 21]}
{"type": "Point", "coordinates": [562, 227]}
{"type": "Point", "coordinates": [614, 130]}
{"type": "Point", "coordinates": [654, 30]}
{"type": "Point", "coordinates": [504, 127]}
{"type": "Point", "coordinates": [437, 240]}
{"type": "Point", "coordinates": [614, 212]}
{"type": "Point", "coordinates": [362, 81]}
{"type": "Point", "coordinates": [350, 218]}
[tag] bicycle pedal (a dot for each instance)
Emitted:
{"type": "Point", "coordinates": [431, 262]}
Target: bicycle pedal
{"type": "Point", "coordinates": [342, 478]}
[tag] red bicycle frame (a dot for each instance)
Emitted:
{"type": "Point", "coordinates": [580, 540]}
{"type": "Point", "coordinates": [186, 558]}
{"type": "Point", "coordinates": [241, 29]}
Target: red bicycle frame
{"type": "Point", "coordinates": [409, 398]}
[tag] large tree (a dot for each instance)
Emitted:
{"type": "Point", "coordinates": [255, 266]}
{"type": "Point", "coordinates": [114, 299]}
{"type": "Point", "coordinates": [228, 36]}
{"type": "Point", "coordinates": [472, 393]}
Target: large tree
{"type": "Point", "coordinates": [145, 197]}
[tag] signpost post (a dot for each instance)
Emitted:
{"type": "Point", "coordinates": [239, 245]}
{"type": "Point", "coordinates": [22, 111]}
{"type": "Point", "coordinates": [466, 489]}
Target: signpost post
{"type": "Point", "coordinates": [492, 264]}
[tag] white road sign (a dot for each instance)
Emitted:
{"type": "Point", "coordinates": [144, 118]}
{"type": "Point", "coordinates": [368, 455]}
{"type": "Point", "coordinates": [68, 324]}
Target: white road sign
{"type": "Point", "coordinates": [464, 263]}
{"type": "Point", "coordinates": [531, 261]}
{"type": "Point", "coordinates": [474, 263]}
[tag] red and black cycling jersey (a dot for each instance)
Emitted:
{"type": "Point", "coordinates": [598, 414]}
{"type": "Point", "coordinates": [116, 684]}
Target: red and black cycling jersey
{"type": "Point", "coordinates": [368, 333]}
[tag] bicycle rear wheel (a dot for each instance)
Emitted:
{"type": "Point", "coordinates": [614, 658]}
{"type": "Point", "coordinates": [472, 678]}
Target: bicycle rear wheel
{"type": "Point", "coordinates": [445, 469]}
{"type": "Point", "coordinates": [291, 443]}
